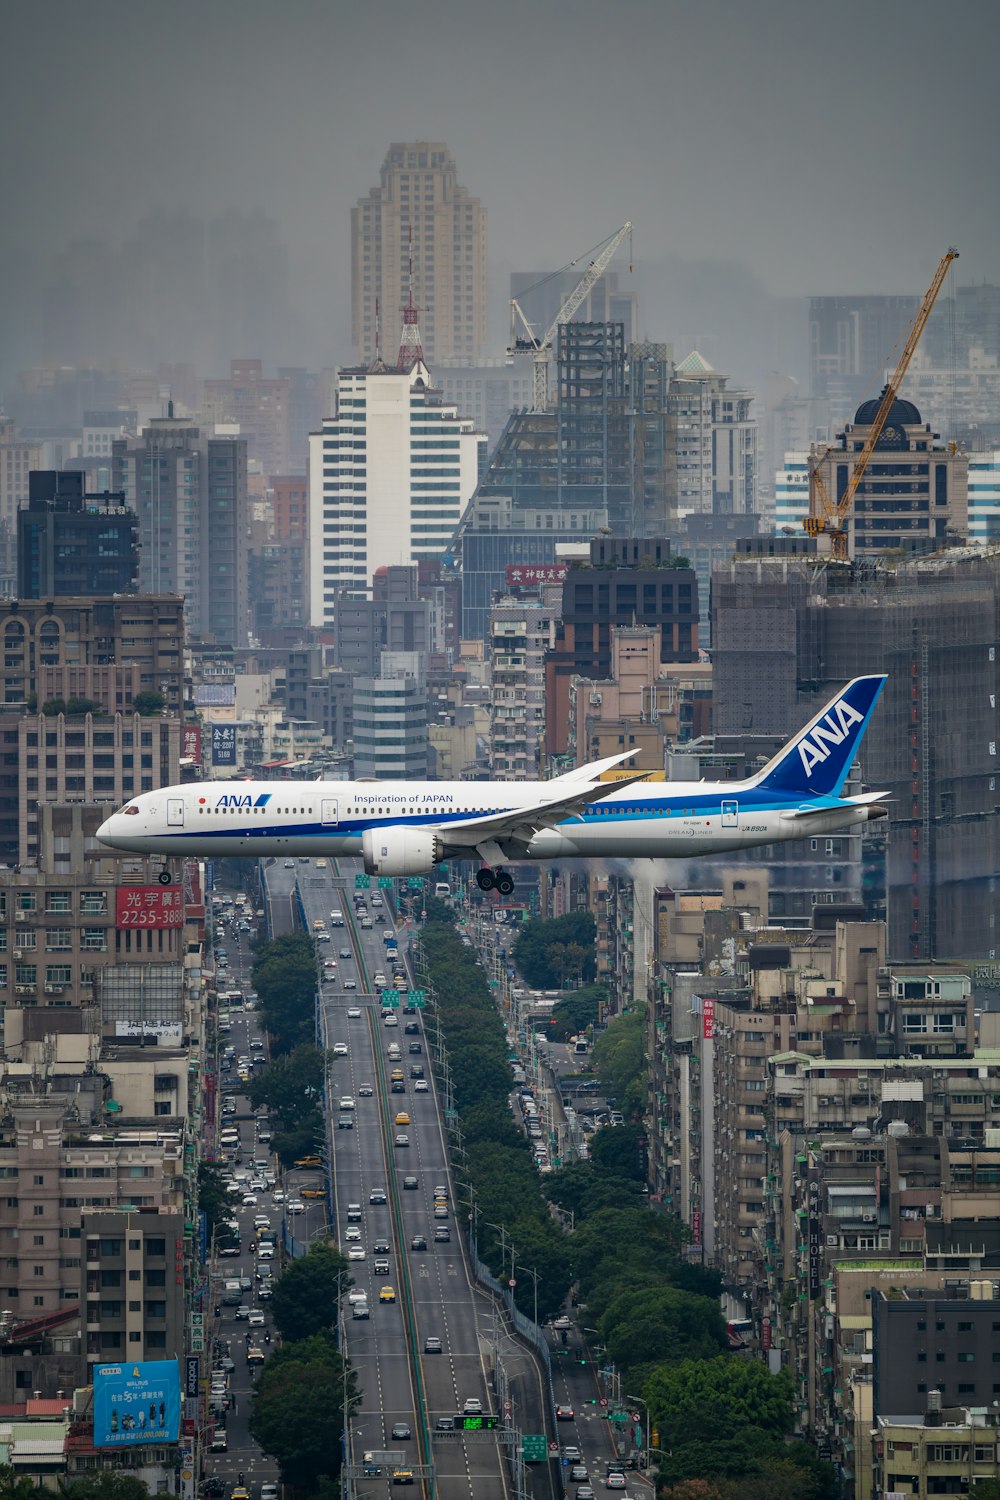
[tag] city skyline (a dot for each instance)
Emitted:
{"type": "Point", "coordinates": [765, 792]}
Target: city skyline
{"type": "Point", "coordinates": [554, 177]}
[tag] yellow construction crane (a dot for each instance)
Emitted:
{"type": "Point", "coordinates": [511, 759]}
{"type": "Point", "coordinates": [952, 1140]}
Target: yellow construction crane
{"type": "Point", "coordinates": [829, 518]}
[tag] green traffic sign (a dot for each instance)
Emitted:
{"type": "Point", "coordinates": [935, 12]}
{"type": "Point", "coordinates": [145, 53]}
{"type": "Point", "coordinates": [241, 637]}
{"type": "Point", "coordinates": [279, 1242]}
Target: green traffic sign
{"type": "Point", "coordinates": [362, 882]}
{"type": "Point", "coordinates": [385, 882]}
{"type": "Point", "coordinates": [416, 882]}
{"type": "Point", "coordinates": [418, 1004]}
{"type": "Point", "coordinates": [390, 997]}
{"type": "Point", "coordinates": [534, 1448]}
{"type": "Point", "coordinates": [416, 997]}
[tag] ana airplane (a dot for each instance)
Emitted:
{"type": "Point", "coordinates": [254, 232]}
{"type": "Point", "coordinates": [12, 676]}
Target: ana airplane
{"type": "Point", "coordinates": [408, 827]}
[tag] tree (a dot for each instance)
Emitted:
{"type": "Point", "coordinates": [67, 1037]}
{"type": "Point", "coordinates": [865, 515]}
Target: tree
{"type": "Point", "coordinates": [297, 1413]}
{"type": "Point", "coordinates": [214, 1201]}
{"type": "Point", "coordinates": [692, 1489]}
{"type": "Point", "coordinates": [546, 950]}
{"type": "Point", "coordinates": [576, 1011]}
{"type": "Point", "coordinates": [149, 702]}
{"type": "Point", "coordinates": [14, 1486]}
{"type": "Point", "coordinates": [292, 1085]}
{"type": "Point", "coordinates": [620, 1056]}
{"type": "Point", "coordinates": [615, 1152]}
{"type": "Point", "coordinates": [104, 1485]}
{"type": "Point", "coordinates": [703, 1398]}
{"type": "Point", "coordinates": [308, 1137]}
{"type": "Point", "coordinates": [284, 976]}
{"type": "Point", "coordinates": [645, 1327]}
{"type": "Point", "coordinates": [307, 1294]}
{"type": "Point", "coordinates": [985, 1489]}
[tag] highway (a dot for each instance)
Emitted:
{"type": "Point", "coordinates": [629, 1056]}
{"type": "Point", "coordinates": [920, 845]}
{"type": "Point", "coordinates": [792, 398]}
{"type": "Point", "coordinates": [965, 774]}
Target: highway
{"type": "Point", "coordinates": [434, 1296]}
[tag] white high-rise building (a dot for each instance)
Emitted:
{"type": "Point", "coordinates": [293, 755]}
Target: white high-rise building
{"type": "Point", "coordinates": [389, 477]}
{"type": "Point", "coordinates": [791, 493]}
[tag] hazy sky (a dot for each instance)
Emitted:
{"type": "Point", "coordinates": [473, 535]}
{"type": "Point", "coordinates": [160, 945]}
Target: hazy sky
{"type": "Point", "coordinates": [828, 147]}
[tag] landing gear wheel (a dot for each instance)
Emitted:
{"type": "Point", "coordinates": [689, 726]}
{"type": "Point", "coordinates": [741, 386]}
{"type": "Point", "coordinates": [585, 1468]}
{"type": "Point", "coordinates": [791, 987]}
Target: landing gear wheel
{"type": "Point", "coordinates": [165, 877]}
{"type": "Point", "coordinates": [485, 880]}
{"type": "Point", "coordinates": [505, 883]}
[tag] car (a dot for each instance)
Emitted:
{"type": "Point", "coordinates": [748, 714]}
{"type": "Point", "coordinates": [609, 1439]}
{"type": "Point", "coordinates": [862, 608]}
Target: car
{"type": "Point", "coordinates": [249, 1200]}
{"type": "Point", "coordinates": [245, 1283]}
{"type": "Point", "coordinates": [401, 1140]}
{"type": "Point", "coordinates": [377, 901]}
{"type": "Point", "coordinates": [416, 1048]}
{"type": "Point", "coordinates": [365, 1091]}
{"type": "Point", "coordinates": [225, 1366]}
{"type": "Point", "coordinates": [397, 1086]}
{"type": "Point", "coordinates": [269, 1490]}
{"type": "Point", "coordinates": [412, 1028]}
{"type": "Point", "coordinates": [242, 1313]}
{"type": "Point", "coordinates": [295, 1206]}
{"type": "Point", "coordinates": [213, 1488]}
{"type": "Point", "coordinates": [229, 1250]}
{"type": "Point", "coordinates": [432, 1344]}
{"type": "Point", "coordinates": [445, 1424]}
{"type": "Point", "coordinates": [256, 1318]}
{"type": "Point", "coordinates": [421, 1086]}
{"type": "Point", "coordinates": [388, 1294]}
{"type": "Point", "coordinates": [614, 1481]}
{"type": "Point", "coordinates": [347, 1102]}
{"type": "Point", "coordinates": [391, 1019]}
{"type": "Point", "coordinates": [442, 1235]}
{"type": "Point", "coordinates": [346, 953]}
{"type": "Point", "coordinates": [289, 864]}
{"type": "Point", "coordinates": [440, 1209]}
{"type": "Point", "coordinates": [239, 1493]}
{"type": "Point", "coordinates": [472, 1407]}
{"type": "Point", "coordinates": [321, 937]}
{"type": "Point", "coordinates": [356, 1252]}
{"type": "Point", "coordinates": [410, 1184]}
{"type": "Point", "coordinates": [309, 1161]}
{"type": "Point", "coordinates": [400, 1431]}
{"type": "Point", "coordinates": [418, 1242]}
{"type": "Point", "coordinates": [354, 1014]}
{"type": "Point", "coordinates": [377, 1195]}
{"type": "Point", "coordinates": [264, 1292]}
{"type": "Point", "coordinates": [344, 1122]}
{"type": "Point", "coordinates": [578, 1473]}
{"type": "Point", "coordinates": [352, 1232]}
{"type": "Point", "coordinates": [261, 1221]}
{"type": "Point", "coordinates": [572, 1453]}
{"type": "Point", "coordinates": [565, 1414]}
{"type": "Point", "coordinates": [402, 1118]}
{"type": "Point", "coordinates": [378, 977]}
{"type": "Point", "coordinates": [219, 1443]}
{"type": "Point", "coordinates": [584, 1492]}
{"type": "Point", "coordinates": [350, 984]}
{"type": "Point", "coordinates": [340, 1049]}
{"type": "Point", "coordinates": [402, 1476]}
{"type": "Point", "coordinates": [382, 1246]}
{"type": "Point", "coordinates": [381, 1265]}
{"type": "Point", "coordinates": [441, 1190]}
{"type": "Point", "coordinates": [278, 1196]}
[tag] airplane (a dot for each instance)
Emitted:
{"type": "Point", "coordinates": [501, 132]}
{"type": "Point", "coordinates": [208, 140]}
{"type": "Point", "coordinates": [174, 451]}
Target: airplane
{"type": "Point", "coordinates": [409, 827]}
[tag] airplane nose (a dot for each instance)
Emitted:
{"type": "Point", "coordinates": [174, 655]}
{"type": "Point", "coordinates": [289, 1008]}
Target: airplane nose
{"type": "Point", "coordinates": [105, 832]}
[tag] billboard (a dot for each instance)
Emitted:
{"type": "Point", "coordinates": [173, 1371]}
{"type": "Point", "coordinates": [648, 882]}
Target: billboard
{"type": "Point", "coordinates": [708, 1018]}
{"type": "Point", "coordinates": [136, 1403]}
{"type": "Point", "coordinates": [223, 744]}
{"type": "Point", "coordinates": [523, 575]}
{"type": "Point", "coordinates": [191, 742]}
{"type": "Point", "coordinates": [149, 906]}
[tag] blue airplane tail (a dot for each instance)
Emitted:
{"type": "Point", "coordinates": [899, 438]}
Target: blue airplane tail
{"type": "Point", "coordinates": [816, 761]}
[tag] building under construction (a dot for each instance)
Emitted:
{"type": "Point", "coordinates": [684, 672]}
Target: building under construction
{"type": "Point", "coordinates": [787, 632]}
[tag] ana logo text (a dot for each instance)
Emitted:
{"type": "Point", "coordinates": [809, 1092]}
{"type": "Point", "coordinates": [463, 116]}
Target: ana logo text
{"type": "Point", "coordinates": [830, 731]}
{"type": "Point", "coordinates": [235, 799]}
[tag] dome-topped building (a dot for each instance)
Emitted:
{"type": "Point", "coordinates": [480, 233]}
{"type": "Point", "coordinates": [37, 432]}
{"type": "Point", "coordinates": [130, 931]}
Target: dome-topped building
{"type": "Point", "coordinates": [901, 413]}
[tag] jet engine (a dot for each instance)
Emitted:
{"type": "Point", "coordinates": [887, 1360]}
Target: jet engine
{"type": "Point", "coordinates": [400, 851]}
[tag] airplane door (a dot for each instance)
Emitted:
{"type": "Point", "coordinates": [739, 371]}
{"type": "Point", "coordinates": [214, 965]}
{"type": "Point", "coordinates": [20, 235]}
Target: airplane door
{"type": "Point", "coordinates": [730, 814]}
{"type": "Point", "coordinates": [175, 812]}
{"type": "Point", "coordinates": [328, 810]}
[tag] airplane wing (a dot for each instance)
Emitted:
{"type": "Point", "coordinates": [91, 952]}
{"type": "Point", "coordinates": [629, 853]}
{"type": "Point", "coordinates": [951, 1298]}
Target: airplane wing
{"type": "Point", "coordinates": [521, 824]}
{"type": "Point", "coordinates": [863, 799]}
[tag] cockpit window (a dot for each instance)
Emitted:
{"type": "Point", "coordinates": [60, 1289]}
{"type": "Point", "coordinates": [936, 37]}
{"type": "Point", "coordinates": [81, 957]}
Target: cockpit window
{"type": "Point", "coordinates": [129, 811]}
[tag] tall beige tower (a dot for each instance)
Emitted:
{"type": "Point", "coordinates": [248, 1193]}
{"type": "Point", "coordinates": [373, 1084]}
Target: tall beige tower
{"type": "Point", "coordinates": [421, 213]}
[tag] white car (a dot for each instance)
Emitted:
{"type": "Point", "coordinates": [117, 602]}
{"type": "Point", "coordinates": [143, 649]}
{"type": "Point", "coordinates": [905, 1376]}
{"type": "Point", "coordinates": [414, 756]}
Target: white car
{"type": "Point", "coordinates": [261, 1221]}
{"type": "Point", "coordinates": [249, 1200]}
{"type": "Point", "coordinates": [352, 1234]}
{"type": "Point", "coordinates": [354, 1013]}
{"type": "Point", "coordinates": [355, 1252]}
{"type": "Point", "coordinates": [350, 984]}
{"type": "Point", "coordinates": [295, 1206]}
{"type": "Point", "coordinates": [347, 1102]}
{"type": "Point", "coordinates": [256, 1318]}
{"type": "Point", "coordinates": [278, 1196]}
{"type": "Point", "coordinates": [420, 1087]}
{"type": "Point", "coordinates": [340, 1049]}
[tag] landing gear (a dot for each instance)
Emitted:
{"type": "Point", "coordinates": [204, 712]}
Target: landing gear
{"type": "Point", "coordinates": [165, 877]}
{"type": "Point", "coordinates": [499, 880]}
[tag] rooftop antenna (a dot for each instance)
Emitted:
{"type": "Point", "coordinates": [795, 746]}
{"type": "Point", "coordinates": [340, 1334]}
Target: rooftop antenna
{"type": "Point", "coordinates": [377, 366]}
{"type": "Point", "coordinates": [410, 348]}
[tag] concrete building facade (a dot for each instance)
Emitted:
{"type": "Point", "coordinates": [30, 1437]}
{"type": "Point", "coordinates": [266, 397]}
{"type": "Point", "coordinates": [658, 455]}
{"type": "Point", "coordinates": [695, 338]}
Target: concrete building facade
{"type": "Point", "coordinates": [420, 215]}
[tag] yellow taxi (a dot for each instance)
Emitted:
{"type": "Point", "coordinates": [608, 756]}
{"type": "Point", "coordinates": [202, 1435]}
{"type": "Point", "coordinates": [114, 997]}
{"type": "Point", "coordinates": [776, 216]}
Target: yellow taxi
{"type": "Point", "coordinates": [312, 1192]}
{"type": "Point", "coordinates": [402, 1118]}
{"type": "Point", "coordinates": [387, 1294]}
{"type": "Point", "coordinates": [309, 1161]}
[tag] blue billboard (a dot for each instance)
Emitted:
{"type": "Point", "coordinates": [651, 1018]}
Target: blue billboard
{"type": "Point", "coordinates": [137, 1403]}
{"type": "Point", "coordinates": [223, 744]}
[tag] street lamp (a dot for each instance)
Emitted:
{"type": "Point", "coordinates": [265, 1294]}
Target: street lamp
{"type": "Point", "coordinates": [645, 1406]}
{"type": "Point", "coordinates": [534, 1276]}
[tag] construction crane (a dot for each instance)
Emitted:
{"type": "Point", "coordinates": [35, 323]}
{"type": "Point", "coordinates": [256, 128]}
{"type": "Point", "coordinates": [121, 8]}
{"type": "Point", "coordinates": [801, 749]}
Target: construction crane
{"type": "Point", "coordinates": [527, 341]}
{"type": "Point", "coordinates": [829, 518]}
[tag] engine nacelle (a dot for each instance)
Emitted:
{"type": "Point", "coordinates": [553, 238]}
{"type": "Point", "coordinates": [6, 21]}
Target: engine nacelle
{"type": "Point", "coordinates": [400, 851]}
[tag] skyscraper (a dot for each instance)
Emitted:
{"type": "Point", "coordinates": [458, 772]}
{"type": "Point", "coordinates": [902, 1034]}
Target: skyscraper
{"type": "Point", "coordinates": [421, 215]}
{"type": "Point", "coordinates": [69, 542]}
{"type": "Point", "coordinates": [389, 476]}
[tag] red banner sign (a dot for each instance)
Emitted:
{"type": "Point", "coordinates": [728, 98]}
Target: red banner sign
{"type": "Point", "coordinates": [696, 1226]}
{"type": "Point", "coordinates": [529, 574]}
{"type": "Point", "coordinates": [191, 742]}
{"type": "Point", "coordinates": [708, 1017]}
{"type": "Point", "coordinates": [149, 906]}
{"type": "Point", "coordinates": [765, 1332]}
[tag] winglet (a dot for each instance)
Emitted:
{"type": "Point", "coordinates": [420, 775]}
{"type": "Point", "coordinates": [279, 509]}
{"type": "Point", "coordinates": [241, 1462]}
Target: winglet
{"type": "Point", "coordinates": [815, 762]}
